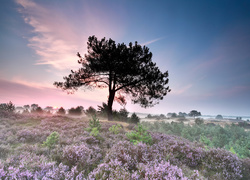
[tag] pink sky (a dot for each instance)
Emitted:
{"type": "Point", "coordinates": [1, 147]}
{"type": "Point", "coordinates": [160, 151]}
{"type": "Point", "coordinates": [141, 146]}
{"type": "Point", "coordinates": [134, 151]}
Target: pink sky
{"type": "Point", "coordinates": [206, 51]}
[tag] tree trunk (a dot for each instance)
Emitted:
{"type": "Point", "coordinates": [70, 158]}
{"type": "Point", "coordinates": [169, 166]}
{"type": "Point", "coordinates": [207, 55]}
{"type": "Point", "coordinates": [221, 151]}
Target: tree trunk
{"type": "Point", "coordinates": [110, 104]}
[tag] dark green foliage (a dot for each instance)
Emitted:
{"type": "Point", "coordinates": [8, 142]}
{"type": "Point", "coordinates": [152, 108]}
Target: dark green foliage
{"type": "Point", "coordinates": [8, 107]}
{"type": "Point", "coordinates": [149, 116]}
{"type": "Point", "coordinates": [231, 136]}
{"type": "Point", "coordinates": [194, 113]}
{"type": "Point", "coordinates": [219, 117]}
{"type": "Point", "coordinates": [76, 111]}
{"type": "Point", "coordinates": [173, 115]}
{"type": "Point", "coordinates": [158, 117]}
{"type": "Point", "coordinates": [134, 119]}
{"type": "Point", "coordinates": [123, 69]}
{"type": "Point", "coordinates": [199, 121]}
{"type": "Point", "coordinates": [103, 110]}
{"type": "Point", "coordinates": [90, 111]}
{"type": "Point", "coordinates": [121, 115]}
{"type": "Point", "coordinates": [61, 111]}
{"type": "Point", "coordinates": [245, 124]}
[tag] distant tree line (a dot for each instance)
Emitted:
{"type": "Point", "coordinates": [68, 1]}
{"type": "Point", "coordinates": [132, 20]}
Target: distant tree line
{"type": "Point", "coordinates": [182, 115]}
{"type": "Point", "coordinates": [121, 115]}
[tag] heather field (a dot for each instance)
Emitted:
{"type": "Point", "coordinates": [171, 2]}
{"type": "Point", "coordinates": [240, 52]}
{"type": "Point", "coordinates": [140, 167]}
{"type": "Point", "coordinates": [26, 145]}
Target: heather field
{"type": "Point", "coordinates": [62, 147]}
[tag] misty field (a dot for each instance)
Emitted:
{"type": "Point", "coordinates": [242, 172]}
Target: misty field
{"type": "Point", "coordinates": [62, 147]}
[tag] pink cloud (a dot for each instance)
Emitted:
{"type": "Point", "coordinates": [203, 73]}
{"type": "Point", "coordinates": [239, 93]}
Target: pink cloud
{"type": "Point", "coordinates": [56, 38]}
{"type": "Point", "coordinates": [22, 92]}
{"type": "Point", "coordinates": [181, 89]}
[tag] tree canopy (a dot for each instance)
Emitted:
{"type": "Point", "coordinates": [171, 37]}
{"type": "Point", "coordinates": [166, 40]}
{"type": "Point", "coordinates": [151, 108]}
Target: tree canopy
{"type": "Point", "coordinates": [124, 70]}
{"type": "Point", "coordinates": [194, 113]}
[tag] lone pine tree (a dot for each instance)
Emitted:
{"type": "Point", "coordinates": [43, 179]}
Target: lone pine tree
{"type": "Point", "coordinates": [124, 70]}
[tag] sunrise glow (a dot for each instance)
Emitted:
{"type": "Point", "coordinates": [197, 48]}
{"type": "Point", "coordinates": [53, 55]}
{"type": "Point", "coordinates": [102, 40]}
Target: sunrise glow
{"type": "Point", "coordinates": [204, 46]}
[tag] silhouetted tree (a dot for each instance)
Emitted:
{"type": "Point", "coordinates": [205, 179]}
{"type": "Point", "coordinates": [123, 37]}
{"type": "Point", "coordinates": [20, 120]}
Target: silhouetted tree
{"type": "Point", "coordinates": [9, 107]}
{"type": "Point", "coordinates": [134, 118]}
{"type": "Point", "coordinates": [194, 113]}
{"type": "Point", "coordinates": [124, 70]}
{"type": "Point", "coordinates": [76, 111]}
{"type": "Point", "coordinates": [26, 107]}
{"type": "Point", "coordinates": [123, 114]}
{"type": "Point", "coordinates": [102, 110]}
{"type": "Point", "coordinates": [39, 110]}
{"type": "Point", "coordinates": [219, 116]}
{"type": "Point", "coordinates": [48, 108]}
{"type": "Point", "coordinates": [90, 111]}
{"type": "Point", "coordinates": [149, 116]}
{"type": "Point", "coordinates": [173, 115]}
{"type": "Point", "coordinates": [61, 111]}
{"type": "Point", "coordinates": [34, 107]}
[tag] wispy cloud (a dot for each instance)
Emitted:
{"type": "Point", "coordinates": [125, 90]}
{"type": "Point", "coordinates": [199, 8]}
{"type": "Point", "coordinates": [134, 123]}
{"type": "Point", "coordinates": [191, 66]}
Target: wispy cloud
{"type": "Point", "coordinates": [58, 36]}
{"type": "Point", "coordinates": [181, 90]}
{"type": "Point", "coordinates": [52, 37]}
{"type": "Point", "coordinates": [152, 41]}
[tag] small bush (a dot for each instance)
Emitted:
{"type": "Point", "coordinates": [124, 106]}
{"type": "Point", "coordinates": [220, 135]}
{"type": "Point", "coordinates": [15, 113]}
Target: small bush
{"type": "Point", "coordinates": [94, 123]}
{"type": "Point", "coordinates": [75, 111]}
{"type": "Point", "coordinates": [61, 111]}
{"type": "Point", "coordinates": [123, 115]}
{"type": "Point", "coordinates": [9, 107]}
{"type": "Point", "coordinates": [51, 140]}
{"type": "Point", "coordinates": [140, 135]}
{"type": "Point", "coordinates": [134, 118]}
{"type": "Point", "coordinates": [115, 129]}
{"type": "Point", "coordinates": [82, 156]}
{"type": "Point", "coordinates": [94, 126]}
{"type": "Point", "coordinates": [219, 117]}
{"type": "Point", "coordinates": [246, 169]}
{"type": "Point", "coordinates": [90, 111]}
{"type": "Point", "coordinates": [199, 121]}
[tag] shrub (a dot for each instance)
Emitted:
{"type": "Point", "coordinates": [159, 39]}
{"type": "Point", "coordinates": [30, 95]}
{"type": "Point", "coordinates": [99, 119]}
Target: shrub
{"type": "Point", "coordinates": [51, 140]}
{"type": "Point", "coordinates": [123, 114]}
{"type": "Point", "coordinates": [219, 117]}
{"type": "Point", "coordinates": [136, 162]}
{"type": "Point", "coordinates": [9, 107]}
{"type": "Point", "coordinates": [134, 118]}
{"type": "Point", "coordinates": [115, 129]}
{"type": "Point", "coordinates": [91, 111]}
{"type": "Point", "coordinates": [140, 135]}
{"type": "Point", "coordinates": [149, 116]}
{"type": "Point", "coordinates": [75, 111]}
{"type": "Point", "coordinates": [162, 170]}
{"type": "Point", "coordinates": [223, 163]}
{"type": "Point", "coordinates": [94, 123]}
{"type": "Point", "coordinates": [245, 169]}
{"type": "Point", "coordinates": [82, 156]}
{"type": "Point", "coordinates": [61, 111]}
{"type": "Point", "coordinates": [94, 126]}
{"type": "Point", "coordinates": [27, 166]}
{"type": "Point", "coordinates": [102, 110]}
{"type": "Point", "coordinates": [199, 121]}
{"type": "Point", "coordinates": [38, 110]}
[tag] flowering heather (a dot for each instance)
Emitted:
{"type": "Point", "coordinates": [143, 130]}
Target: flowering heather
{"type": "Point", "coordinates": [82, 156]}
{"type": "Point", "coordinates": [78, 155]}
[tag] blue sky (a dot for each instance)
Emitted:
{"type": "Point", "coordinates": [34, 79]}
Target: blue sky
{"type": "Point", "coordinates": [205, 46]}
